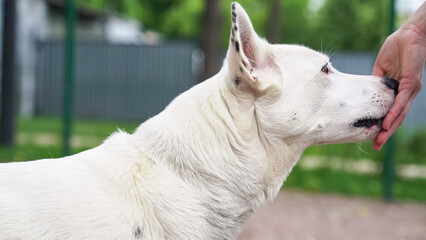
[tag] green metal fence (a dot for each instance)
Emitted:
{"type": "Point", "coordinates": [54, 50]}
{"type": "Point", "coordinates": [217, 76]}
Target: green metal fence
{"type": "Point", "coordinates": [113, 81]}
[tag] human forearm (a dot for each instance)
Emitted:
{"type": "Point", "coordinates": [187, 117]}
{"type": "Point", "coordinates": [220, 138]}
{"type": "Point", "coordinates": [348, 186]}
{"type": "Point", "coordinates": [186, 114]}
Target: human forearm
{"type": "Point", "coordinates": [417, 21]}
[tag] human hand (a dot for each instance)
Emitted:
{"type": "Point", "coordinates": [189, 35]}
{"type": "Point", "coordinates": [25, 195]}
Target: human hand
{"type": "Point", "coordinates": [402, 57]}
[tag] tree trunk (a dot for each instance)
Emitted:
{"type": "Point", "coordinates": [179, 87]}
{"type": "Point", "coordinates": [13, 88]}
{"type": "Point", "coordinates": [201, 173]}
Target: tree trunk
{"type": "Point", "coordinates": [274, 22]}
{"type": "Point", "coordinates": [211, 39]}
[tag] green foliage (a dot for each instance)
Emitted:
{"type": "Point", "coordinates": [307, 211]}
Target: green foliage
{"type": "Point", "coordinates": [337, 24]}
{"type": "Point", "coordinates": [351, 24]}
{"type": "Point", "coordinates": [184, 20]}
{"type": "Point", "coordinates": [296, 22]}
{"type": "Point", "coordinates": [172, 18]}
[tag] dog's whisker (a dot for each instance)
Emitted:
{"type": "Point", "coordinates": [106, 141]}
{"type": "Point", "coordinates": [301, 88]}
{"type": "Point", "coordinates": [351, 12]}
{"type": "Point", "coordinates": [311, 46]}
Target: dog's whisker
{"type": "Point", "coordinates": [332, 52]}
{"type": "Point", "coordinates": [326, 49]}
{"type": "Point", "coordinates": [359, 146]}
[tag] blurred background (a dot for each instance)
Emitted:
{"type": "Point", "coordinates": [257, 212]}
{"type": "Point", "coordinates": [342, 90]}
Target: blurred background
{"type": "Point", "coordinates": [132, 57]}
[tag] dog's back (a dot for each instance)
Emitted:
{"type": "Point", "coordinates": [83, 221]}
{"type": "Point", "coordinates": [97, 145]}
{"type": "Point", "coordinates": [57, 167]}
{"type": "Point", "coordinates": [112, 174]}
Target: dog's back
{"type": "Point", "coordinates": [113, 191]}
{"type": "Point", "coordinates": [52, 198]}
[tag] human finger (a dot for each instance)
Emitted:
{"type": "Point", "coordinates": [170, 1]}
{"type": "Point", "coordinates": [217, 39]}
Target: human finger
{"type": "Point", "coordinates": [401, 101]}
{"type": "Point", "coordinates": [384, 135]}
{"type": "Point", "coordinates": [378, 70]}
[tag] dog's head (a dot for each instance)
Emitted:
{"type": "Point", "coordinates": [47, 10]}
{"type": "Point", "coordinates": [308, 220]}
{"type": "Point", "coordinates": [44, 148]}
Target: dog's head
{"type": "Point", "coordinates": [298, 94]}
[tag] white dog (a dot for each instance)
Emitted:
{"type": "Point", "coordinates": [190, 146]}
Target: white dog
{"type": "Point", "coordinates": [201, 167]}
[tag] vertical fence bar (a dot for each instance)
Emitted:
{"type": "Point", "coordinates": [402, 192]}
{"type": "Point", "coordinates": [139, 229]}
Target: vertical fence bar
{"type": "Point", "coordinates": [68, 76]}
{"type": "Point", "coordinates": [388, 164]}
{"type": "Point", "coordinates": [8, 81]}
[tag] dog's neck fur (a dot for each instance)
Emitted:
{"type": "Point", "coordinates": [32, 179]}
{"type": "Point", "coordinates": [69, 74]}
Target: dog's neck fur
{"type": "Point", "coordinates": [212, 138]}
{"type": "Point", "coordinates": [223, 125]}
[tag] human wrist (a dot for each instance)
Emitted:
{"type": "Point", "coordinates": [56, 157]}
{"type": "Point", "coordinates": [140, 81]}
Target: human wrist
{"type": "Point", "coordinates": [418, 30]}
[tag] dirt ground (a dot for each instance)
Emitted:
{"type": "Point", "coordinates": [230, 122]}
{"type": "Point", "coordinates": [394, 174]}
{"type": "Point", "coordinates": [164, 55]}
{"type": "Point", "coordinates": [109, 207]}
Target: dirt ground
{"type": "Point", "coordinates": [307, 216]}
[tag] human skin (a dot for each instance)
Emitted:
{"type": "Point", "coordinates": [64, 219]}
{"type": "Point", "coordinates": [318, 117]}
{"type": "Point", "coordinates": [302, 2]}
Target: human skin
{"type": "Point", "coordinates": [402, 57]}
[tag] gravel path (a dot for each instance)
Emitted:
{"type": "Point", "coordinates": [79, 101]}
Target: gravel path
{"type": "Point", "coordinates": [307, 216]}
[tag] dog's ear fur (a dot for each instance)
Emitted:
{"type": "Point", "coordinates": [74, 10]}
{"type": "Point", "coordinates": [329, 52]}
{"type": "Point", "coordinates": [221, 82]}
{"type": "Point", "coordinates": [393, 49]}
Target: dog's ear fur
{"type": "Point", "coordinates": [250, 59]}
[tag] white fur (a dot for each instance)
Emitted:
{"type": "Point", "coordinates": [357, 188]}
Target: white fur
{"type": "Point", "coordinates": [201, 167]}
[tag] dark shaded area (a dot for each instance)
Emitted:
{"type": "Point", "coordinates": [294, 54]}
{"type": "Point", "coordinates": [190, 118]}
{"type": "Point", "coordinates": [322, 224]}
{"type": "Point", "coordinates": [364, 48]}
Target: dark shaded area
{"type": "Point", "coordinates": [273, 33]}
{"type": "Point", "coordinates": [8, 85]}
{"type": "Point", "coordinates": [210, 43]}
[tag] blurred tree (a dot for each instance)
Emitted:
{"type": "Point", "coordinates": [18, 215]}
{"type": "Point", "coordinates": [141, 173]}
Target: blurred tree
{"type": "Point", "coordinates": [352, 24]}
{"type": "Point", "coordinates": [210, 44]}
{"type": "Point", "coordinates": [172, 18]}
{"type": "Point", "coordinates": [274, 22]}
{"type": "Point", "coordinates": [183, 21]}
{"type": "Point", "coordinates": [295, 27]}
{"type": "Point", "coordinates": [338, 24]}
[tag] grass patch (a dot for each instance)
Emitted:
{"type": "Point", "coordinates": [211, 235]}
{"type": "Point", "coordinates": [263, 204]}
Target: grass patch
{"type": "Point", "coordinates": [411, 149]}
{"type": "Point", "coordinates": [81, 127]}
{"type": "Point", "coordinates": [335, 181]}
{"type": "Point", "coordinates": [27, 147]}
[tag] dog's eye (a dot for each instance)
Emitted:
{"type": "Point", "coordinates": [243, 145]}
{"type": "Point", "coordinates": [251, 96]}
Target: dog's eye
{"type": "Point", "coordinates": [325, 69]}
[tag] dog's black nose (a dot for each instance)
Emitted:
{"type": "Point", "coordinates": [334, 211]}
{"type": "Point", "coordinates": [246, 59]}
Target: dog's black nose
{"type": "Point", "coordinates": [391, 84]}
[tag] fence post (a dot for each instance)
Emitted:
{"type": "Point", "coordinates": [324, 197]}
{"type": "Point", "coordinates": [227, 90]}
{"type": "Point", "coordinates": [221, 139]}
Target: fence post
{"type": "Point", "coordinates": [388, 163]}
{"type": "Point", "coordinates": [8, 78]}
{"type": "Point", "coordinates": [68, 76]}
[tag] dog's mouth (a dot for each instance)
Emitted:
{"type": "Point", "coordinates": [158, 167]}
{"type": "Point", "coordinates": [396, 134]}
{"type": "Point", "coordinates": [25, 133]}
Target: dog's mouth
{"type": "Point", "coordinates": [369, 122]}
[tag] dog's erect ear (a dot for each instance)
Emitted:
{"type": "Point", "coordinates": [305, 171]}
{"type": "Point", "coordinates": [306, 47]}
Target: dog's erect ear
{"type": "Point", "coordinates": [251, 60]}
